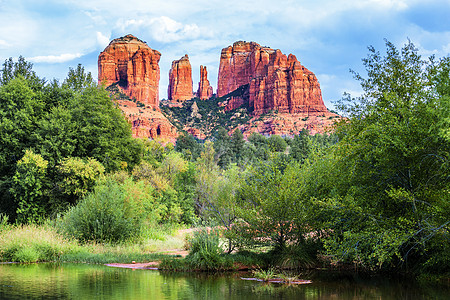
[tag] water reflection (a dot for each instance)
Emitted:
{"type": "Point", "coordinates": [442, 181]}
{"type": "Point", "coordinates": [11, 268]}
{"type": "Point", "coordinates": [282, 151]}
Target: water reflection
{"type": "Point", "coordinates": [81, 281]}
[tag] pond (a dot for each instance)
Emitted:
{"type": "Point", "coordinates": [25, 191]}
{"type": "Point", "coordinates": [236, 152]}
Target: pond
{"type": "Point", "coordinates": [83, 281]}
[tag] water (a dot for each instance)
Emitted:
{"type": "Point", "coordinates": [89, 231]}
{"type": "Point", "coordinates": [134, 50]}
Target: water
{"type": "Point", "coordinates": [82, 281]}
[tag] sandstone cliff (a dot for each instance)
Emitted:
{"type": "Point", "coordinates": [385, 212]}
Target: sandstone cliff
{"type": "Point", "coordinates": [133, 65]}
{"type": "Point", "coordinates": [205, 90]}
{"type": "Point", "coordinates": [147, 123]}
{"type": "Point", "coordinates": [180, 80]}
{"type": "Point", "coordinates": [275, 81]}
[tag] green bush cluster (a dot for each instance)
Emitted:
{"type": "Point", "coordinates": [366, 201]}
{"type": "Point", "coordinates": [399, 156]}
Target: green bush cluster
{"type": "Point", "coordinates": [113, 212]}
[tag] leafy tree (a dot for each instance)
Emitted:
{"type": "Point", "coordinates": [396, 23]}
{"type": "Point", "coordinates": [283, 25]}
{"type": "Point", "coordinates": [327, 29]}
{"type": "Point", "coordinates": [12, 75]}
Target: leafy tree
{"type": "Point", "coordinates": [223, 148]}
{"type": "Point", "coordinates": [78, 79]}
{"type": "Point", "coordinates": [270, 206]}
{"type": "Point", "coordinates": [23, 69]}
{"type": "Point", "coordinates": [58, 121]}
{"type": "Point", "coordinates": [237, 145]}
{"type": "Point", "coordinates": [77, 177]}
{"type": "Point", "coordinates": [20, 110]}
{"type": "Point", "coordinates": [29, 186]}
{"type": "Point", "coordinates": [300, 146]}
{"type": "Point", "coordinates": [207, 174]}
{"type": "Point", "coordinates": [188, 145]}
{"type": "Point", "coordinates": [395, 161]}
{"type": "Point", "coordinates": [260, 143]}
{"type": "Point", "coordinates": [276, 143]}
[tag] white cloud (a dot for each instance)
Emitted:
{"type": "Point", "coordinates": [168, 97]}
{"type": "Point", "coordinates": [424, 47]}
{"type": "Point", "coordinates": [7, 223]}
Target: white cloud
{"type": "Point", "coordinates": [55, 58]}
{"type": "Point", "coordinates": [102, 39]}
{"type": "Point", "coordinates": [164, 29]}
{"type": "Point", "coordinates": [391, 4]}
{"type": "Point", "coordinates": [4, 44]}
{"type": "Point", "coordinates": [446, 49]}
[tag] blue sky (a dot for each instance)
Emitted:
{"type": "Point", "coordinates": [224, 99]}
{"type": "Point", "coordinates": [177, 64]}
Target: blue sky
{"type": "Point", "coordinates": [329, 37]}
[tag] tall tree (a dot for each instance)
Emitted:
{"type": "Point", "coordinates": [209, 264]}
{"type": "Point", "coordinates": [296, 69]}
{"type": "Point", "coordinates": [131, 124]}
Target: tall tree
{"type": "Point", "coordinates": [395, 162]}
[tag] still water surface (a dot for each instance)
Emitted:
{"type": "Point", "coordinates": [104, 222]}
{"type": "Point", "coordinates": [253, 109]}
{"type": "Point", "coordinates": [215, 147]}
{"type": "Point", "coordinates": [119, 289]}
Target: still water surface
{"type": "Point", "coordinates": [82, 281]}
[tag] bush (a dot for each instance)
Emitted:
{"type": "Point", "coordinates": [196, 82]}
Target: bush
{"type": "Point", "coordinates": [205, 252]}
{"type": "Point", "coordinates": [100, 216]}
{"type": "Point", "coordinates": [114, 212]}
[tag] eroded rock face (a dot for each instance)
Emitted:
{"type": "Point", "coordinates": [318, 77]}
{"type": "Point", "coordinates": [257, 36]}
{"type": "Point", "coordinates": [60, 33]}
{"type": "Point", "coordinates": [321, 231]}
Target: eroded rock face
{"type": "Point", "coordinates": [275, 81]}
{"type": "Point", "coordinates": [205, 90]}
{"type": "Point", "coordinates": [147, 122]}
{"type": "Point", "coordinates": [133, 65]}
{"type": "Point", "coordinates": [180, 80]}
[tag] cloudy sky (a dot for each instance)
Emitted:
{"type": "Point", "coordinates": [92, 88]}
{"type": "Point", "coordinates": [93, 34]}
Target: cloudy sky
{"type": "Point", "coordinates": [329, 37]}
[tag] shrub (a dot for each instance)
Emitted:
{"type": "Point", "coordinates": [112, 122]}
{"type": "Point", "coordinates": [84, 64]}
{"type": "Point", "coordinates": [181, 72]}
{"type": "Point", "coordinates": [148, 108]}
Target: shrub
{"type": "Point", "coordinates": [113, 212]}
{"type": "Point", "coordinates": [205, 252]}
{"type": "Point", "coordinates": [24, 255]}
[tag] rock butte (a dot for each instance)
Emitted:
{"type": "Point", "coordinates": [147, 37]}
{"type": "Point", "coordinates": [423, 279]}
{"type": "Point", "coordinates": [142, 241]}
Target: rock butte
{"type": "Point", "coordinates": [205, 90]}
{"type": "Point", "coordinates": [259, 78]}
{"type": "Point", "coordinates": [133, 65]}
{"type": "Point", "coordinates": [270, 80]}
{"type": "Point", "coordinates": [180, 80]}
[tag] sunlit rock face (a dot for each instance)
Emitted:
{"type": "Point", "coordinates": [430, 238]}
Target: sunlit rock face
{"type": "Point", "coordinates": [275, 81]}
{"type": "Point", "coordinates": [180, 80]}
{"type": "Point", "coordinates": [205, 90]}
{"type": "Point", "coordinates": [133, 66]}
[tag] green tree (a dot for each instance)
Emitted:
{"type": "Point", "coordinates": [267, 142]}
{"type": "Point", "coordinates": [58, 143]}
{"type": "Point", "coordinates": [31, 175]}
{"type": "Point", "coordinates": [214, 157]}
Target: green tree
{"type": "Point", "coordinates": [77, 177]}
{"type": "Point", "coordinates": [395, 163]}
{"type": "Point", "coordinates": [189, 146]}
{"type": "Point", "coordinates": [207, 174]}
{"type": "Point", "coordinates": [270, 205]}
{"type": "Point", "coordinates": [237, 145]}
{"type": "Point", "coordinates": [20, 68]}
{"type": "Point", "coordinates": [223, 148]}
{"type": "Point", "coordinates": [29, 186]}
{"type": "Point", "coordinates": [78, 79]}
{"type": "Point", "coordinates": [276, 143]}
{"type": "Point", "coordinates": [20, 110]}
{"type": "Point", "coordinates": [300, 146]}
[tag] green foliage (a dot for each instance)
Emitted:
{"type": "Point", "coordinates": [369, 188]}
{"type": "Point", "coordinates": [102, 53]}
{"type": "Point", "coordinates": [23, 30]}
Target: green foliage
{"type": "Point", "coordinates": [265, 275]}
{"type": "Point", "coordinates": [78, 80]}
{"type": "Point", "coordinates": [76, 119]}
{"type": "Point", "coordinates": [21, 68]}
{"type": "Point", "coordinates": [276, 143]}
{"type": "Point", "coordinates": [31, 243]}
{"type": "Point", "coordinates": [205, 252]}
{"type": "Point", "coordinates": [394, 163]}
{"type": "Point", "coordinates": [113, 212]}
{"type": "Point", "coordinates": [222, 148]}
{"type": "Point", "coordinates": [28, 187]}
{"type": "Point", "coordinates": [78, 176]}
{"type": "Point", "coordinates": [271, 206]}
{"type": "Point", "coordinates": [189, 146]}
{"type": "Point", "coordinates": [20, 110]}
{"type": "Point", "coordinates": [301, 146]}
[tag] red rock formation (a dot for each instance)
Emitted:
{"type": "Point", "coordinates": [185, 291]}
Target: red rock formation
{"type": "Point", "coordinates": [180, 80]}
{"type": "Point", "coordinates": [133, 65]}
{"type": "Point", "coordinates": [205, 90]}
{"type": "Point", "coordinates": [276, 82]}
{"type": "Point", "coordinates": [147, 122]}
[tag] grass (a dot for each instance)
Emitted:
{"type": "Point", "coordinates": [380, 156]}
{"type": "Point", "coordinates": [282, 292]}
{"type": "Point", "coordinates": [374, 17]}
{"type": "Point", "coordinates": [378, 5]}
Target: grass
{"type": "Point", "coordinates": [264, 275]}
{"type": "Point", "coordinates": [33, 243]}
